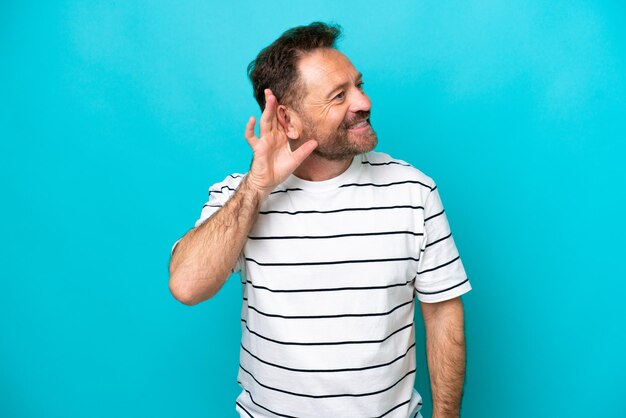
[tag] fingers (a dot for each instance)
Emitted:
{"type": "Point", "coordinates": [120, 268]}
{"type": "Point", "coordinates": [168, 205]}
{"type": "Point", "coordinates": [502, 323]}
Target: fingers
{"type": "Point", "coordinates": [268, 118]}
{"type": "Point", "coordinates": [249, 133]}
{"type": "Point", "coordinates": [274, 119]}
{"type": "Point", "coordinates": [304, 151]}
{"type": "Point", "coordinates": [269, 124]}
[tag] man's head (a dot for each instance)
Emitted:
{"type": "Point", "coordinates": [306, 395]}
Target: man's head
{"type": "Point", "coordinates": [275, 67]}
{"type": "Point", "coordinates": [319, 91]}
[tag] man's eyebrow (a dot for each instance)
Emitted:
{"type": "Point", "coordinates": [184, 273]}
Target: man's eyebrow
{"type": "Point", "coordinates": [358, 77]}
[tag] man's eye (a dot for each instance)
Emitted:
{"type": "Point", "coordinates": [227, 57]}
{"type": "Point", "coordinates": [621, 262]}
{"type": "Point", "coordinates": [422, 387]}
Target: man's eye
{"type": "Point", "coordinates": [360, 85]}
{"type": "Point", "coordinates": [340, 95]}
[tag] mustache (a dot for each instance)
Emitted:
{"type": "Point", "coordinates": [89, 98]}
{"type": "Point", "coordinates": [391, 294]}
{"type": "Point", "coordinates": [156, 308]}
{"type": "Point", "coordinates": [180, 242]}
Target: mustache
{"type": "Point", "coordinates": [359, 117]}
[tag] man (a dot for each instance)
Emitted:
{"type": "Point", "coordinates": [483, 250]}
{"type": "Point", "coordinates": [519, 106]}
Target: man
{"type": "Point", "coordinates": [333, 242]}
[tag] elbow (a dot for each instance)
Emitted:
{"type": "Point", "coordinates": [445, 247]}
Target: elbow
{"type": "Point", "coordinates": [182, 294]}
{"type": "Point", "coordinates": [185, 293]}
{"type": "Point", "coordinates": [180, 289]}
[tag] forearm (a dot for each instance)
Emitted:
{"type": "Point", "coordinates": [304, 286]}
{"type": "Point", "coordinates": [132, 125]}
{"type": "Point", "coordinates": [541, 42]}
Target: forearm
{"type": "Point", "coordinates": [205, 256]}
{"type": "Point", "coordinates": [445, 348]}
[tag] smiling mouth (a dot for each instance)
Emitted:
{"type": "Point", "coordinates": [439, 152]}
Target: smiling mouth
{"type": "Point", "coordinates": [361, 125]}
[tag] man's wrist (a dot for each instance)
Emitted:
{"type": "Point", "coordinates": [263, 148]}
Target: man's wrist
{"type": "Point", "coordinates": [445, 414]}
{"type": "Point", "coordinates": [250, 188]}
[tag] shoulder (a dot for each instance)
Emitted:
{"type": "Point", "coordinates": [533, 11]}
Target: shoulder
{"type": "Point", "coordinates": [382, 165]}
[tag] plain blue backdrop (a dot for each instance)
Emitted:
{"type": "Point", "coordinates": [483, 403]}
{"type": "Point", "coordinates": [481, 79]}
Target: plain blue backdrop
{"type": "Point", "coordinates": [116, 116]}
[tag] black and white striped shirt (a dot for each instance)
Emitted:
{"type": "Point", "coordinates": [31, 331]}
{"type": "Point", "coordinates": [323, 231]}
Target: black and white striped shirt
{"type": "Point", "coordinates": [329, 273]}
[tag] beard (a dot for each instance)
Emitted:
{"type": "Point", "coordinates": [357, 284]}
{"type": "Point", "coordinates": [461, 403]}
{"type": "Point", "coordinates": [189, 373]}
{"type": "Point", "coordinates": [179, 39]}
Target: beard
{"type": "Point", "coordinates": [342, 144]}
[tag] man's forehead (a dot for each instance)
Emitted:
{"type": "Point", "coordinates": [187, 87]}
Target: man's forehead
{"type": "Point", "coordinates": [324, 68]}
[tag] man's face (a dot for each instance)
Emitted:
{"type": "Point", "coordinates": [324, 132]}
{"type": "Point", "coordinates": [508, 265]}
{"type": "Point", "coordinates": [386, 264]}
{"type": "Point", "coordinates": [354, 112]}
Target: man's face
{"type": "Point", "coordinates": [335, 110]}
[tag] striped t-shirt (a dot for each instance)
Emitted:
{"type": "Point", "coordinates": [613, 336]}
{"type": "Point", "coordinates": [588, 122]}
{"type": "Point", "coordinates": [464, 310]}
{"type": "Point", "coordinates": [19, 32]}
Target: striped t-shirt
{"type": "Point", "coordinates": [329, 274]}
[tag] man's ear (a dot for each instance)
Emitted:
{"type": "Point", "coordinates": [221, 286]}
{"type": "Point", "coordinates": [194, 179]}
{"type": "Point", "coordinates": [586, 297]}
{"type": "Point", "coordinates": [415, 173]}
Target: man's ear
{"type": "Point", "coordinates": [289, 121]}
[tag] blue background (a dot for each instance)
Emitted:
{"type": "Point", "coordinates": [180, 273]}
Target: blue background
{"type": "Point", "coordinates": [115, 118]}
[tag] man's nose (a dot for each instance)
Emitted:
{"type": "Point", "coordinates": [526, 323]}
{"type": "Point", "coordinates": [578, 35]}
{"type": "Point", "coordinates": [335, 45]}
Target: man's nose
{"type": "Point", "coordinates": [360, 102]}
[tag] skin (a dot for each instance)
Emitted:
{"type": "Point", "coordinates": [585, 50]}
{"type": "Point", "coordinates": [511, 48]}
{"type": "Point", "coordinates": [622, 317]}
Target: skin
{"type": "Point", "coordinates": [335, 102]}
{"type": "Point", "coordinates": [445, 353]}
{"type": "Point", "coordinates": [315, 142]}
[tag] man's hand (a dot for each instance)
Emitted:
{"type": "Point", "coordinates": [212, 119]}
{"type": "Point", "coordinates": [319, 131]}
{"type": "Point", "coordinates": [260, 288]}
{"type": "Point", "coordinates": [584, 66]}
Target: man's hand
{"type": "Point", "coordinates": [205, 256]}
{"type": "Point", "coordinates": [273, 159]}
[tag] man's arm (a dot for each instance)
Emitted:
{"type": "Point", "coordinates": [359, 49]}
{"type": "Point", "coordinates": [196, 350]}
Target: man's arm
{"type": "Point", "coordinates": [205, 256]}
{"type": "Point", "coordinates": [203, 259]}
{"type": "Point", "coordinates": [445, 350]}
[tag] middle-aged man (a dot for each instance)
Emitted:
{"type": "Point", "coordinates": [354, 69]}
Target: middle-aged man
{"type": "Point", "coordinates": [333, 242]}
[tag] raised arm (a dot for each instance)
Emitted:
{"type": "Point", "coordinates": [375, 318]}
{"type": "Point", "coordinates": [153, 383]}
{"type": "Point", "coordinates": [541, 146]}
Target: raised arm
{"type": "Point", "coordinates": [204, 258]}
{"type": "Point", "coordinates": [445, 351]}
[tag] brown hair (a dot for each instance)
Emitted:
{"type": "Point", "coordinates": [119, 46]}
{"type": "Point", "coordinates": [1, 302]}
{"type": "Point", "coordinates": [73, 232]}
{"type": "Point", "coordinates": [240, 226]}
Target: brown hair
{"type": "Point", "coordinates": [276, 66]}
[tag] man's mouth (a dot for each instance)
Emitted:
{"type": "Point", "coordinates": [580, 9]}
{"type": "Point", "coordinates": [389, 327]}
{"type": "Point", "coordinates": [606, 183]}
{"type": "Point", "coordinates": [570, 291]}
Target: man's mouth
{"type": "Point", "coordinates": [361, 125]}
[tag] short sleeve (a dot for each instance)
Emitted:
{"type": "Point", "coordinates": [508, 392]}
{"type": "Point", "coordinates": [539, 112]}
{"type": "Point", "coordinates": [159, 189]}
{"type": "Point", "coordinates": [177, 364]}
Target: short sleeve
{"type": "Point", "coordinates": [219, 194]}
{"type": "Point", "coordinates": [440, 272]}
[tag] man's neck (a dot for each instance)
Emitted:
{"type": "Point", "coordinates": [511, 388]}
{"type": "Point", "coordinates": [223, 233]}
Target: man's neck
{"type": "Point", "coordinates": [316, 168]}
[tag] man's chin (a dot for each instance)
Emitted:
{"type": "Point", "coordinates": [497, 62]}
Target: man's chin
{"type": "Point", "coordinates": [364, 141]}
{"type": "Point", "coordinates": [347, 152]}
